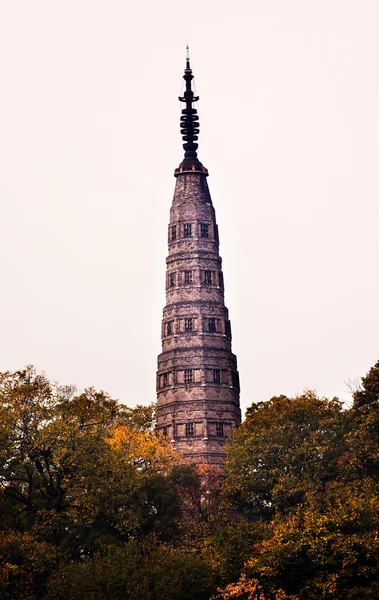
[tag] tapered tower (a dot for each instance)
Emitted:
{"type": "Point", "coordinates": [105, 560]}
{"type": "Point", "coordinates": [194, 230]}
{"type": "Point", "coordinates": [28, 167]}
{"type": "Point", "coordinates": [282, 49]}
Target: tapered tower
{"type": "Point", "coordinates": [197, 379]}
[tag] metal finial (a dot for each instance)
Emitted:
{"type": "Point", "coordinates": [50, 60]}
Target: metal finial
{"type": "Point", "coordinates": [189, 121]}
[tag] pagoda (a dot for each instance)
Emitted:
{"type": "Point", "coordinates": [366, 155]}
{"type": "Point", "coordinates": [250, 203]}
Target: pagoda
{"type": "Point", "coordinates": [197, 379]}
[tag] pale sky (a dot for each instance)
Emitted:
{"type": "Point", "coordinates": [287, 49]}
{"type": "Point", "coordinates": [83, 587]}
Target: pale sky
{"type": "Point", "coordinates": [89, 140]}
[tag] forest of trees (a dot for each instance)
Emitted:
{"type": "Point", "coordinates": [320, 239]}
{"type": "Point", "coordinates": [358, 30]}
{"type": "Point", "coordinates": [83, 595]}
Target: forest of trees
{"type": "Point", "coordinates": [95, 506]}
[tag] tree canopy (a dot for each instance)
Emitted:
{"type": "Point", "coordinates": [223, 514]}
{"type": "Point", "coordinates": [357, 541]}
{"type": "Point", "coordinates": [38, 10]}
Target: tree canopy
{"type": "Point", "coordinates": [95, 504]}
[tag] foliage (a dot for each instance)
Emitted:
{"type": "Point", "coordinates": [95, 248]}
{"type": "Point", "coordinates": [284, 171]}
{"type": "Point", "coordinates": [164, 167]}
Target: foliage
{"type": "Point", "coordinates": [71, 469]}
{"type": "Point", "coordinates": [25, 565]}
{"type": "Point", "coordinates": [328, 549]}
{"type": "Point", "coordinates": [227, 542]}
{"type": "Point", "coordinates": [363, 438]}
{"type": "Point", "coordinates": [136, 570]}
{"type": "Point", "coordinates": [77, 472]}
{"type": "Point", "coordinates": [247, 589]}
{"type": "Point", "coordinates": [140, 417]}
{"type": "Point", "coordinates": [95, 504]}
{"type": "Point", "coordinates": [308, 470]}
{"type": "Point", "coordinates": [367, 395]}
{"type": "Point", "coordinates": [284, 447]}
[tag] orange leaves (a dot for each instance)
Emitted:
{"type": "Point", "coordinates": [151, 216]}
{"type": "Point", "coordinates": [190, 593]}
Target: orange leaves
{"type": "Point", "coordinates": [247, 589]}
{"type": "Point", "coordinates": [147, 452]}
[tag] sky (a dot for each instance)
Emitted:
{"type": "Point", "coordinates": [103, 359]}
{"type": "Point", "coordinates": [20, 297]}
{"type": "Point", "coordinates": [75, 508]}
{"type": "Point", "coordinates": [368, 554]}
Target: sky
{"type": "Point", "coordinates": [89, 140]}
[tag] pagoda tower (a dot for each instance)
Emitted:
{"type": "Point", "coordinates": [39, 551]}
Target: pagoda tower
{"type": "Point", "coordinates": [197, 378]}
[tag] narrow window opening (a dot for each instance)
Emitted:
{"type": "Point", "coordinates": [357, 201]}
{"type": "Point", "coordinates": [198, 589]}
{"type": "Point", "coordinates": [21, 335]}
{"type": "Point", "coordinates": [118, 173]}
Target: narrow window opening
{"type": "Point", "coordinates": [204, 230]}
{"type": "Point", "coordinates": [172, 279]}
{"type": "Point", "coordinates": [208, 279]}
{"type": "Point", "coordinates": [188, 375]}
{"type": "Point", "coordinates": [216, 376]}
{"type": "Point", "coordinates": [173, 233]}
{"type": "Point", "coordinates": [165, 379]}
{"type": "Point", "coordinates": [190, 429]}
{"type": "Point", "coordinates": [212, 325]}
{"type": "Point", "coordinates": [188, 324]}
{"type": "Point", "coordinates": [220, 429]}
{"type": "Point", "coordinates": [187, 230]}
{"type": "Point", "coordinates": [169, 328]}
{"type": "Point", "coordinates": [187, 277]}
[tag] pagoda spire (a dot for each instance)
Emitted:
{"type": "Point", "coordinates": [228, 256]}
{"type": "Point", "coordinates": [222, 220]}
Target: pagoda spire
{"type": "Point", "coordinates": [189, 123]}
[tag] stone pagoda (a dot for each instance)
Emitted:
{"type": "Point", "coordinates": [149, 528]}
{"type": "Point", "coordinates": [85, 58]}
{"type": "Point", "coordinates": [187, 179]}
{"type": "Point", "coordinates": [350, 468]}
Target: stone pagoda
{"type": "Point", "coordinates": [197, 378]}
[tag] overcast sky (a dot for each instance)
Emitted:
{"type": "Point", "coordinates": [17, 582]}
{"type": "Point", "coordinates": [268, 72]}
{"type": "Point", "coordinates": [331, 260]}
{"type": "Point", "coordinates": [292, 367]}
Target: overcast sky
{"type": "Point", "coordinates": [89, 140]}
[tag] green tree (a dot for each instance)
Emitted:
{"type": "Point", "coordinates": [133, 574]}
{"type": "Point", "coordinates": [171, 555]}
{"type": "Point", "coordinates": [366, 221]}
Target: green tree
{"type": "Point", "coordinates": [363, 437]}
{"type": "Point", "coordinates": [25, 565]}
{"type": "Point", "coordinates": [328, 548]}
{"type": "Point", "coordinates": [134, 571]}
{"type": "Point", "coordinates": [285, 447]}
{"type": "Point", "coordinates": [142, 418]}
{"type": "Point", "coordinates": [367, 395]}
{"type": "Point", "coordinates": [227, 542]}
